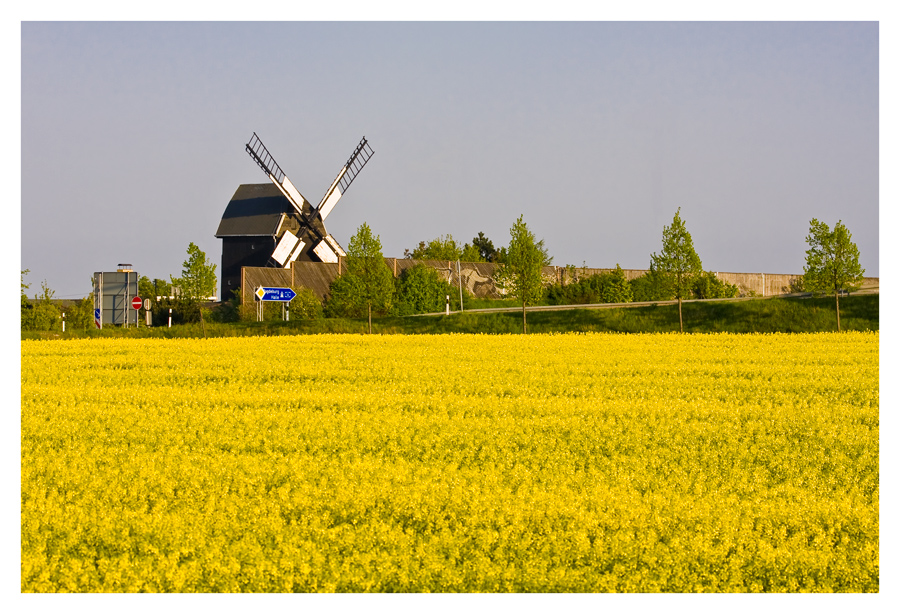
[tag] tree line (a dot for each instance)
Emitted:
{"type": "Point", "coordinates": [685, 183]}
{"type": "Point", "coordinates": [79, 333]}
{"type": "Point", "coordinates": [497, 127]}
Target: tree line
{"type": "Point", "coordinates": [675, 273]}
{"type": "Point", "coordinates": [368, 287]}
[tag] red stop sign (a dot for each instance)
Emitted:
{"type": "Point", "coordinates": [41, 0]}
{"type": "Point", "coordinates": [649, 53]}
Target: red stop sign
{"type": "Point", "coordinates": [136, 302]}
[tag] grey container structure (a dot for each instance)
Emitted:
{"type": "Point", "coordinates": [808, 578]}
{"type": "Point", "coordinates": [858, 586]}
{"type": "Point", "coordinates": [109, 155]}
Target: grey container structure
{"type": "Point", "coordinates": [113, 292]}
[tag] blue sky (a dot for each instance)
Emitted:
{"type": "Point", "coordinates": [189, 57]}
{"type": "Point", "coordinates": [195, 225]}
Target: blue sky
{"type": "Point", "coordinates": [133, 136]}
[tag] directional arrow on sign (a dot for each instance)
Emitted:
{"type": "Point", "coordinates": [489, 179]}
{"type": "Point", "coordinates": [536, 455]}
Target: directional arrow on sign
{"type": "Point", "coordinates": [275, 294]}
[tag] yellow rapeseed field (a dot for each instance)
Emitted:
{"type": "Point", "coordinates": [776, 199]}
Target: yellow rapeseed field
{"type": "Point", "coordinates": [583, 462]}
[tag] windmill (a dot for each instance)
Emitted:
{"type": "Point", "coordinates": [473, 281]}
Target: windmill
{"type": "Point", "coordinates": [312, 231]}
{"type": "Point", "coordinates": [273, 225]}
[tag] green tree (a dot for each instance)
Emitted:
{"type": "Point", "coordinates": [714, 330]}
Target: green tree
{"type": "Point", "coordinates": [162, 288]}
{"type": "Point", "coordinates": [42, 313]}
{"type": "Point", "coordinates": [198, 275]}
{"type": "Point", "coordinates": [25, 312]}
{"type": "Point", "coordinates": [520, 275]}
{"type": "Point", "coordinates": [81, 314]}
{"type": "Point", "coordinates": [485, 248]}
{"type": "Point", "coordinates": [444, 248]}
{"type": "Point", "coordinates": [25, 287]}
{"type": "Point", "coordinates": [470, 253]}
{"type": "Point", "coordinates": [678, 263]}
{"type": "Point", "coordinates": [616, 288]}
{"type": "Point", "coordinates": [340, 302]}
{"type": "Point", "coordinates": [421, 289]}
{"type": "Point", "coordinates": [441, 248]}
{"type": "Point", "coordinates": [832, 262]}
{"type": "Point", "coordinates": [368, 283]}
{"type": "Point", "coordinates": [146, 288]}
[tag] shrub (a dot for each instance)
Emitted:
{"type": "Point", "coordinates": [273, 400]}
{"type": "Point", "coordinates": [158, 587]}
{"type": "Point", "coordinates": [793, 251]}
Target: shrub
{"type": "Point", "coordinates": [184, 311]}
{"type": "Point", "coordinates": [611, 287]}
{"type": "Point", "coordinates": [710, 286]}
{"type": "Point", "coordinates": [306, 305]}
{"type": "Point", "coordinates": [421, 289]}
{"type": "Point", "coordinates": [650, 286]}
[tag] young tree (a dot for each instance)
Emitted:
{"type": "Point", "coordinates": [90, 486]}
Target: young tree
{"type": "Point", "coordinates": [678, 263]}
{"type": "Point", "coordinates": [43, 314]}
{"type": "Point", "coordinates": [368, 279]}
{"type": "Point", "coordinates": [832, 262]}
{"type": "Point", "coordinates": [198, 275]}
{"type": "Point", "coordinates": [25, 287]}
{"type": "Point", "coordinates": [521, 273]}
{"type": "Point", "coordinates": [25, 313]}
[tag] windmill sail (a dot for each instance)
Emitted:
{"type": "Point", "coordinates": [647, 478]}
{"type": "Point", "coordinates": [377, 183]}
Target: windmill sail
{"type": "Point", "coordinates": [309, 239]}
{"type": "Point", "coordinates": [289, 246]}
{"type": "Point", "coordinates": [347, 174]}
{"type": "Point", "coordinates": [264, 159]}
{"type": "Point", "coordinates": [285, 247]}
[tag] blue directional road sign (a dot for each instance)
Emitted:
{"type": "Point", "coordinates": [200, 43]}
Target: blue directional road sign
{"type": "Point", "coordinates": [275, 294]}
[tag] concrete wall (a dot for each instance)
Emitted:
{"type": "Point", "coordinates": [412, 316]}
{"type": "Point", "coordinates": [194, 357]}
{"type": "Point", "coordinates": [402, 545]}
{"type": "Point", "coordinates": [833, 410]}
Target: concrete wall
{"type": "Point", "coordinates": [478, 277]}
{"type": "Point", "coordinates": [749, 284]}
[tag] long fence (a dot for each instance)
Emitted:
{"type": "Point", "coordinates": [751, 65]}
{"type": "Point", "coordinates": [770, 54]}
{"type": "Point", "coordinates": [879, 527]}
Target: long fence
{"type": "Point", "coordinates": [478, 277]}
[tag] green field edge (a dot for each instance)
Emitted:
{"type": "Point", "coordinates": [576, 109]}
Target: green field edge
{"type": "Point", "coordinates": [770, 315]}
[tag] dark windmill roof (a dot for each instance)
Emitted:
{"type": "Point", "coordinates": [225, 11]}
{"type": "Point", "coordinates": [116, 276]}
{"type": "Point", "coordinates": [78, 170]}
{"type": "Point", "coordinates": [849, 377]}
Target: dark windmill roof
{"type": "Point", "coordinates": [254, 210]}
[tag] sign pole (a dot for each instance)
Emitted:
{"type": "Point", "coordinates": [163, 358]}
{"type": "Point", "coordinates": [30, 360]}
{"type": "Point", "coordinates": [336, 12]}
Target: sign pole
{"type": "Point", "coordinates": [136, 304]}
{"type": "Point", "coordinates": [125, 303]}
{"type": "Point", "coordinates": [459, 275]}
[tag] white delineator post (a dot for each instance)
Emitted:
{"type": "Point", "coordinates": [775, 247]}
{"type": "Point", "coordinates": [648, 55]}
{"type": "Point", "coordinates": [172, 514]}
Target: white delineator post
{"type": "Point", "coordinates": [448, 305]}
